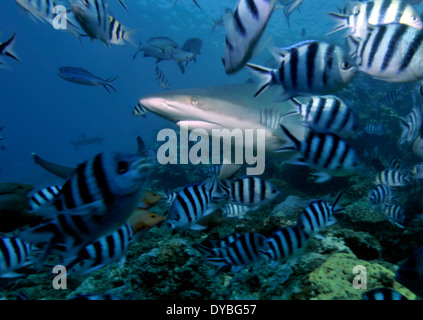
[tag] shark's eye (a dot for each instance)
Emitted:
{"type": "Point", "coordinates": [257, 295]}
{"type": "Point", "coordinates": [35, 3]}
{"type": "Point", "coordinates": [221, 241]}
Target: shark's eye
{"type": "Point", "coordinates": [195, 101]}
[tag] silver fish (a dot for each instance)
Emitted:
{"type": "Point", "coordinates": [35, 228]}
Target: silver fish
{"type": "Point", "coordinates": [84, 77]}
{"type": "Point", "coordinates": [161, 79]}
{"type": "Point", "coordinates": [160, 48]}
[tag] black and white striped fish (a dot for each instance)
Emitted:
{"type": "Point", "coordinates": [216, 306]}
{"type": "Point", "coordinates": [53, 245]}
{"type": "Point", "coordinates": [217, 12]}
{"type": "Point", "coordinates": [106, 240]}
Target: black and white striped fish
{"type": "Point", "coordinates": [118, 33]}
{"type": "Point", "coordinates": [43, 197]}
{"type": "Point", "coordinates": [251, 191]}
{"type": "Point", "coordinates": [380, 195]}
{"type": "Point", "coordinates": [212, 171]}
{"type": "Point", "coordinates": [244, 250]}
{"type": "Point", "coordinates": [232, 210]}
{"type": "Point", "coordinates": [325, 152]}
{"type": "Point", "coordinates": [307, 68]}
{"type": "Point", "coordinates": [376, 129]}
{"type": "Point", "coordinates": [395, 214]}
{"type": "Point", "coordinates": [219, 243]}
{"type": "Point", "coordinates": [392, 178]}
{"type": "Point", "coordinates": [14, 253]}
{"type": "Point", "coordinates": [101, 252]}
{"type": "Point", "coordinates": [139, 110]}
{"type": "Point", "coordinates": [161, 79]}
{"type": "Point", "coordinates": [192, 203]}
{"type": "Point", "coordinates": [319, 215]}
{"type": "Point", "coordinates": [285, 244]}
{"type": "Point", "coordinates": [243, 31]}
{"type": "Point", "coordinates": [391, 52]}
{"type": "Point", "coordinates": [40, 9]}
{"type": "Point", "coordinates": [96, 199]}
{"type": "Point", "coordinates": [382, 294]}
{"type": "Point", "coordinates": [411, 125]}
{"type": "Point", "coordinates": [93, 17]}
{"type": "Point", "coordinates": [393, 163]}
{"type": "Point", "coordinates": [328, 114]}
{"type": "Point", "coordinates": [376, 12]}
{"type": "Point", "coordinates": [6, 49]}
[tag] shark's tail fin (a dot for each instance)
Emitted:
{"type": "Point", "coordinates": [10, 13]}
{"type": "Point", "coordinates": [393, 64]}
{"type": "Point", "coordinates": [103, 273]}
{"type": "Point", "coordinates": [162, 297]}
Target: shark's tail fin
{"type": "Point", "coordinates": [6, 48]}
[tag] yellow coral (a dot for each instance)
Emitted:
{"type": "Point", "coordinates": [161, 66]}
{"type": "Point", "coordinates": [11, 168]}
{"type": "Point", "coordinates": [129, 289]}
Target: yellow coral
{"type": "Point", "coordinates": [333, 280]}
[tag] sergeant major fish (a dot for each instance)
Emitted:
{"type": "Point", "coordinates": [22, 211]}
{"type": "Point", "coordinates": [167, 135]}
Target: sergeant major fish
{"type": "Point", "coordinates": [325, 152]}
{"type": "Point", "coordinates": [14, 253]}
{"type": "Point", "coordinates": [377, 12]}
{"type": "Point", "coordinates": [84, 77]}
{"type": "Point", "coordinates": [161, 79]}
{"type": "Point", "coordinates": [328, 114]}
{"type": "Point", "coordinates": [243, 30]}
{"type": "Point", "coordinates": [319, 215]}
{"type": "Point", "coordinates": [97, 198]}
{"type": "Point", "coordinates": [306, 68]}
{"type": "Point", "coordinates": [93, 17]}
{"type": "Point", "coordinates": [390, 52]}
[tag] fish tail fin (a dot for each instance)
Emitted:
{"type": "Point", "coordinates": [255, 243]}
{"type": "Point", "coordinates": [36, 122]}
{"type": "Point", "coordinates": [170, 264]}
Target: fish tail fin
{"type": "Point", "coordinates": [36, 158]}
{"type": "Point", "coordinates": [297, 143]}
{"type": "Point", "coordinates": [129, 36]}
{"type": "Point", "coordinates": [297, 103]}
{"type": "Point", "coordinates": [353, 44]}
{"type": "Point", "coordinates": [205, 251]}
{"type": "Point", "coordinates": [108, 85]}
{"type": "Point", "coordinates": [8, 48]}
{"type": "Point", "coordinates": [342, 21]}
{"type": "Point", "coordinates": [338, 209]}
{"type": "Point", "coordinates": [123, 5]}
{"type": "Point", "coordinates": [264, 75]}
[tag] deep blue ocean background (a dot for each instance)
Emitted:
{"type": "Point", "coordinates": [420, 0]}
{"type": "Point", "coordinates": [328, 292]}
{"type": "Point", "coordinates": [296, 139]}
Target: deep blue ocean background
{"type": "Point", "coordinates": [41, 112]}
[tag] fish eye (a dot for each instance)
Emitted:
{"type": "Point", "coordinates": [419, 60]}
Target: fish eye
{"type": "Point", "coordinates": [122, 167]}
{"type": "Point", "coordinates": [86, 3]}
{"type": "Point", "coordinates": [195, 101]}
{"type": "Point", "coordinates": [413, 19]}
{"type": "Point", "coordinates": [345, 65]}
{"type": "Point", "coordinates": [152, 215]}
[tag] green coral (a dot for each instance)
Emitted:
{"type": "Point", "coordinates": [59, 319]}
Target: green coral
{"type": "Point", "coordinates": [333, 280]}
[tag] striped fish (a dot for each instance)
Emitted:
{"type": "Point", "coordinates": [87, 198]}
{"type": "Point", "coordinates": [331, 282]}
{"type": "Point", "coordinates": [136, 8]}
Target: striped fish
{"type": "Point", "coordinates": [380, 195]}
{"type": "Point", "coordinates": [93, 17]}
{"type": "Point", "coordinates": [394, 163]}
{"type": "Point", "coordinates": [243, 30]}
{"type": "Point", "coordinates": [395, 214]}
{"type": "Point", "coordinates": [250, 191]}
{"type": "Point", "coordinates": [383, 294]}
{"type": "Point", "coordinates": [212, 171]}
{"type": "Point", "coordinates": [220, 243]}
{"type": "Point", "coordinates": [43, 10]}
{"type": "Point", "coordinates": [376, 129]}
{"type": "Point", "coordinates": [411, 125]}
{"type": "Point", "coordinates": [6, 48]}
{"type": "Point", "coordinates": [139, 110]}
{"type": "Point", "coordinates": [323, 151]}
{"type": "Point", "coordinates": [377, 12]}
{"type": "Point", "coordinates": [319, 215]}
{"type": "Point", "coordinates": [244, 250]}
{"type": "Point", "coordinates": [161, 79]}
{"type": "Point", "coordinates": [101, 252]}
{"type": "Point", "coordinates": [118, 33]}
{"type": "Point", "coordinates": [306, 68]}
{"type": "Point", "coordinates": [285, 244]}
{"type": "Point", "coordinates": [43, 197]}
{"type": "Point", "coordinates": [14, 253]}
{"type": "Point", "coordinates": [391, 52]}
{"type": "Point", "coordinates": [96, 199]}
{"type": "Point", "coordinates": [232, 210]}
{"type": "Point", "coordinates": [328, 114]}
{"type": "Point", "coordinates": [170, 196]}
{"type": "Point", "coordinates": [192, 203]}
{"type": "Point", "coordinates": [392, 178]}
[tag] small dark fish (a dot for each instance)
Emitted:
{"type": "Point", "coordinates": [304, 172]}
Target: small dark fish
{"type": "Point", "coordinates": [194, 46]}
{"type": "Point", "coordinates": [84, 141]}
{"type": "Point", "coordinates": [303, 32]}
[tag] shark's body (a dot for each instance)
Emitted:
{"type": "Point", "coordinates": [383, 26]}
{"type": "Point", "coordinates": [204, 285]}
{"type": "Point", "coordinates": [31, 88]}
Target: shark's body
{"type": "Point", "coordinates": [231, 107]}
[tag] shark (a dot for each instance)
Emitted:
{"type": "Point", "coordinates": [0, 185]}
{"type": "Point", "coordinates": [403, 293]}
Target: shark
{"type": "Point", "coordinates": [230, 107]}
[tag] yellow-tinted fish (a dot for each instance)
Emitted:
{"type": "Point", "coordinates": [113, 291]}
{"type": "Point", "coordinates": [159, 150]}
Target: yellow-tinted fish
{"type": "Point", "coordinates": [149, 199]}
{"type": "Point", "coordinates": [143, 219]}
